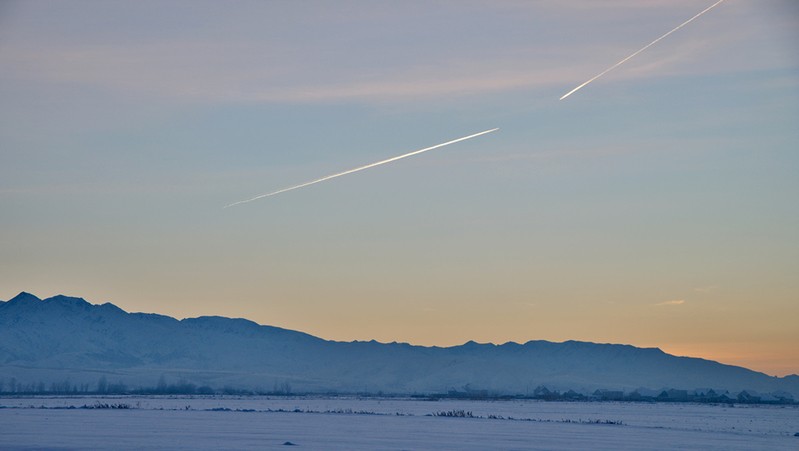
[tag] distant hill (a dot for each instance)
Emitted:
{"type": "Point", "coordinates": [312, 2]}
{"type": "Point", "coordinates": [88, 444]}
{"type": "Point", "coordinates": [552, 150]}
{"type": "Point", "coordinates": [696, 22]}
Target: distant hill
{"type": "Point", "coordinates": [67, 342]}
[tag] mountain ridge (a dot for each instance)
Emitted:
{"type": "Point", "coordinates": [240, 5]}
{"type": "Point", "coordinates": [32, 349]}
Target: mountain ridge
{"type": "Point", "coordinates": [67, 338]}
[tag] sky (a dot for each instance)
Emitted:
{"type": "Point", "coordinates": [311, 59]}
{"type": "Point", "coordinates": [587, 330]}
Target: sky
{"type": "Point", "coordinates": [657, 206]}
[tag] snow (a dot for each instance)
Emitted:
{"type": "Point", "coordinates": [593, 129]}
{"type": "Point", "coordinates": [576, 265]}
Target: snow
{"type": "Point", "coordinates": [328, 423]}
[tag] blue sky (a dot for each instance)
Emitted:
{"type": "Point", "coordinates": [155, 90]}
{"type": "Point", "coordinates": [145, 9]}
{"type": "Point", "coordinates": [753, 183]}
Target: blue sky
{"type": "Point", "coordinates": [656, 206]}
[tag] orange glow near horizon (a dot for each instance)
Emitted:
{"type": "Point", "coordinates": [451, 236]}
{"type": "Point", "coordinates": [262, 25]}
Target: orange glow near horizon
{"type": "Point", "coordinates": [656, 207]}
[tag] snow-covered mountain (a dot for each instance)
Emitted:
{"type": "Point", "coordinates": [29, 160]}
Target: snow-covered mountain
{"type": "Point", "coordinates": [65, 339]}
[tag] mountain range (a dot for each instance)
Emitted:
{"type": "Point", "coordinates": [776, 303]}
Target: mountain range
{"type": "Point", "coordinates": [67, 340]}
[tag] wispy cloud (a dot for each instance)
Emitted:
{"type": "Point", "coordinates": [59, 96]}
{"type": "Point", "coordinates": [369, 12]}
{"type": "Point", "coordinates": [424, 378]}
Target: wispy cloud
{"type": "Point", "coordinates": [705, 289]}
{"type": "Point", "coordinates": [555, 153]}
{"type": "Point", "coordinates": [234, 67]}
{"type": "Point", "coordinates": [204, 72]}
{"type": "Point", "coordinates": [672, 302]}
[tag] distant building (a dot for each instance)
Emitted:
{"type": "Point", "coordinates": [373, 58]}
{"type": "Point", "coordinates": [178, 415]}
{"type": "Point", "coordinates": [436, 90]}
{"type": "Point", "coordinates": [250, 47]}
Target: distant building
{"type": "Point", "coordinates": [745, 396]}
{"type": "Point", "coordinates": [673, 395]}
{"type": "Point", "coordinates": [609, 395]}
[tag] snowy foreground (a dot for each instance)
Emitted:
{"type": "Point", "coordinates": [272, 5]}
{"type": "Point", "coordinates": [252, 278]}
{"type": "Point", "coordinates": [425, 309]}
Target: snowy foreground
{"type": "Point", "coordinates": [377, 424]}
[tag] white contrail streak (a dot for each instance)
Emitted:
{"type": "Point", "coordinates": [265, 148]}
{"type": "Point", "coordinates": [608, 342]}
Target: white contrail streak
{"type": "Point", "coordinates": [642, 49]}
{"type": "Point", "coordinates": [361, 168]}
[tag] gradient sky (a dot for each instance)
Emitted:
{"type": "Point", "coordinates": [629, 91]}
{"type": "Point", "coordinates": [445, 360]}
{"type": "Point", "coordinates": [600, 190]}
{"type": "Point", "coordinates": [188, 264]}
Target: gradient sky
{"type": "Point", "coordinates": [657, 206]}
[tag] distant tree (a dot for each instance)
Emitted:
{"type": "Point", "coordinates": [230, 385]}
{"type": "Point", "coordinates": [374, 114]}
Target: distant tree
{"type": "Point", "coordinates": [119, 388]}
{"type": "Point", "coordinates": [162, 387]}
{"type": "Point", "coordinates": [282, 388]}
{"type": "Point", "coordinates": [102, 385]}
{"type": "Point", "coordinates": [205, 390]}
{"type": "Point", "coordinates": [183, 387]}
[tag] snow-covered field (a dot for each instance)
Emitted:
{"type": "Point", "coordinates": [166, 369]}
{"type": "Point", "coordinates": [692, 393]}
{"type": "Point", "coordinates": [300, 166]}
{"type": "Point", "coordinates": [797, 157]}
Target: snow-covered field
{"type": "Point", "coordinates": [377, 424]}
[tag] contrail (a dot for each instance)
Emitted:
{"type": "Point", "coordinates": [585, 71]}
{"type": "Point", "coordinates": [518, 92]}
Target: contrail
{"type": "Point", "coordinates": [361, 168]}
{"type": "Point", "coordinates": [642, 49]}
